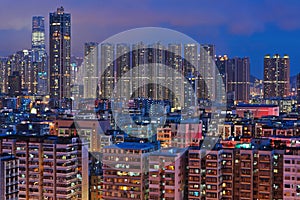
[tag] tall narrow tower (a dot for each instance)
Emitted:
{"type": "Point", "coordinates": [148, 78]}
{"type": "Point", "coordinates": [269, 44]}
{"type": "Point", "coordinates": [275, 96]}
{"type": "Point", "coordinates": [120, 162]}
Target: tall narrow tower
{"type": "Point", "coordinates": [91, 72]}
{"type": "Point", "coordinates": [60, 54]}
{"type": "Point", "coordinates": [207, 80]}
{"type": "Point", "coordinates": [39, 55]}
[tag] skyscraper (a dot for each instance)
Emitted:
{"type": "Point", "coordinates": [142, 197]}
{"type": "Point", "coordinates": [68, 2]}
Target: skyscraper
{"type": "Point", "coordinates": [107, 70]}
{"type": "Point", "coordinates": [21, 62]}
{"type": "Point", "coordinates": [38, 38]}
{"type": "Point", "coordinates": [60, 54]}
{"type": "Point", "coordinates": [4, 73]}
{"type": "Point", "coordinates": [191, 59]}
{"type": "Point", "coordinates": [14, 84]}
{"type": "Point", "coordinates": [238, 79]}
{"type": "Point", "coordinates": [123, 73]}
{"type": "Point", "coordinates": [221, 66]}
{"type": "Point", "coordinates": [276, 76]}
{"type": "Point", "coordinates": [39, 55]}
{"type": "Point", "coordinates": [159, 72]}
{"type": "Point", "coordinates": [90, 79]}
{"type": "Point", "coordinates": [174, 61]}
{"type": "Point", "coordinates": [206, 82]}
{"type": "Point", "coordinates": [190, 67]}
{"type": "Point", "coordinates": [140, 74]}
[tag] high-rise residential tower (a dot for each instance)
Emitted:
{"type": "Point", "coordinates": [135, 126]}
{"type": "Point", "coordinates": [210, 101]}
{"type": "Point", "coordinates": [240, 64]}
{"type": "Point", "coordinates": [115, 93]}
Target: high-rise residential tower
{"type": "Point", "coordinates": [174, 61]}
{"type": "Point", "coordinates": [9, 171]}
{"type": "Point", "coordinates": [190, 67]}
{"type": "Point", "coordinates": [107, 69]}
{"type": "Point", "coordinates": [4, 73]}
{"type": "Point", "coordinates": [91, 73]}
{"type": "Point", "coordinates": [14, 84]}
{"type": "Point", "coordinates": [39, 55]}
{"type": "Point", "coordinates": [125, 171]}
{"type": "Point", "coordinates": [140, 71]}
{"type": "Point", "coordinates": [221, 66]}
{"type": "Point", "coordinates": [206, 80]}
{"type": "Point", "coordinates": [276, 76]}
{"type": "Point", "coordinates": [60, 54]}
{"type": "Point", "coordinates": [191, 59]}
{"type": "Point", "coordinates": [123, 73]}
{"type": "Point", "coordinates": [49, 167]}
{"type": "Point", "coordinates": [21, 62]}
{"type": "Point", "coordinates": [159, 72]}
{"type": "Point", "coordinates": [238, 79]}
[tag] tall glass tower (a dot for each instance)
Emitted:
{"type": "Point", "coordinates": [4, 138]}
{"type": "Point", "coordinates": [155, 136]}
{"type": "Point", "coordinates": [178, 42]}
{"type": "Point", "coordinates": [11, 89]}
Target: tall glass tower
{"type": "Point", "coordinates": [38, 37]}
{"type": "Point", "coordinates": [60, 54]}
{"type": "Point", "coordinates": [39, 55]}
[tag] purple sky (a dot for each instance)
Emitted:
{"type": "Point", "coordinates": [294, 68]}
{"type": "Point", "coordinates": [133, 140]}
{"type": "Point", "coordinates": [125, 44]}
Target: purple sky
{"type": "Point", "coordinates": [238, 28]}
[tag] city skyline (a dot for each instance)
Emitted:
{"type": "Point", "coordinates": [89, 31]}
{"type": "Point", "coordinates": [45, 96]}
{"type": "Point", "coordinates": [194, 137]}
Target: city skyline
{"type": "Point", "coordinates": [146, 106]}
{"type": "Point", "coordinates": [272, 30]}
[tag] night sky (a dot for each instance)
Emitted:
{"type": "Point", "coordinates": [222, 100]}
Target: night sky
{"type": "Point", "coordinates": [237, 27]}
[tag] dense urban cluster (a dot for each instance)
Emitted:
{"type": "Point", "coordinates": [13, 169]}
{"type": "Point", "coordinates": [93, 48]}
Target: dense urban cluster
{"type": "Point", "coordinates": [145, 121]}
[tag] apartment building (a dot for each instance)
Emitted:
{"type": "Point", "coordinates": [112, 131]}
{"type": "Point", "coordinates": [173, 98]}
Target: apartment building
{"type": "Point", "coordinates": [126, 171]}
{"type": "Point", "coordinates": [227, 170]}
{"type": "Point", "coordinates": [240, 173]}
{"type": "Point", "coordinates": [50, 167]}
{"type": "Point", "coordinates": [89, 130]}
{"type": "Point", "coordinates": [243, 174]}
{"type": "Point", "coordinates": [213, 178]}
{"type": "Point", "coordinates": [291, 177]}
{"type": "Point", "coordinates": [167, 174]}
{"type": "Point", "coordinates": [196, 174]}
{"type": "Point", "coordinates": [164, 135]}
{"type": "Point", "coordinates": [9, 172]}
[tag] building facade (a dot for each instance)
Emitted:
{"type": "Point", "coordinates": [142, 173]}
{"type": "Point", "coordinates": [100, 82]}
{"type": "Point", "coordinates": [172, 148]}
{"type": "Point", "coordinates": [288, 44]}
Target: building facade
{"type": "Point", "coordinates": [39, 55]}
{"type": "Point", "coordinates": [238, 79]}
{"type": "Point", "coordinates": [207, 69]}
{"type": "Point", "coordinates": [167, 174]}
{"type": "Point", "coordinates": [91, 70]}
{"type": "Point", "coordinates": [125, 171]}
{"type": "Point", "coordinates": [49, 167]}
{"type": "Point", "coordinates": [60, 55]}
{"type": "Point", "coordinates": [107, 70]}
{"type": "Point", "coordinates": [9, 171]}
{"type": "Point", "coordinates": [276, 76]}
{"type": "Point", "coordinates": [14, 84]}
